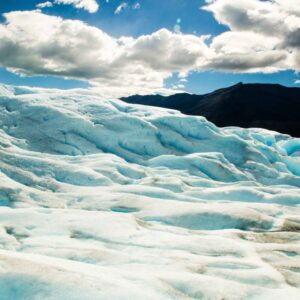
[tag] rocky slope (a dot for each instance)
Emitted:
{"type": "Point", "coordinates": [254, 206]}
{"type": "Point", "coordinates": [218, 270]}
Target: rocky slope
{"type": "Point", "coordinates": [269, 106]}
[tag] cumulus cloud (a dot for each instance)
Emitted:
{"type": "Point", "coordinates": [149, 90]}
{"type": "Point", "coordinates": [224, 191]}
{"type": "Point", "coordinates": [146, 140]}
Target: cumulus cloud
{"type": "Point", "coordinates": [137, 5]}
{"type": "Point", "coordinates": [265, 17]}
{"type": "Point", "coordinates": [44, 4]}
{"type": "Point", "coordinates": [73, 49]}
{"type": "Point", "coordinates": [121, 7]}
{"type": "Point", "coordinates": [247, 52]}
{"type": "Point", "coordinates": [166, 51]}
{"type": "Point", "coordinates": [274, 23]}
{"type": "Point", "coordinates": [90, 5]}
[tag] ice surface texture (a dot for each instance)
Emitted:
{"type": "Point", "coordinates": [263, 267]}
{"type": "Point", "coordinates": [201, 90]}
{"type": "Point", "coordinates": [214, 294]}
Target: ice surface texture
{"type": "Point", "coordinates": [104, 200]}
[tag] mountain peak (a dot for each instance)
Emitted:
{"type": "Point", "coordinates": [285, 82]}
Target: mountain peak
{"type": "Point", "coordinates": [270, 106]}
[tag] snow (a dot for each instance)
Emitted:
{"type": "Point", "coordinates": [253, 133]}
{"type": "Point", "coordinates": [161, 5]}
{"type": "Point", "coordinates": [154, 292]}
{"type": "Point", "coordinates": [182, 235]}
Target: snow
{"type": "Point", "coordinates": [104, 200]}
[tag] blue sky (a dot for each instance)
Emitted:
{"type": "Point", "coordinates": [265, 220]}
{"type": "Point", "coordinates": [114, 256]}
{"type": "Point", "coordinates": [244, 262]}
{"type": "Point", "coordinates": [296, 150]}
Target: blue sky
{"type": "Point", "coordinates": [151, 16]}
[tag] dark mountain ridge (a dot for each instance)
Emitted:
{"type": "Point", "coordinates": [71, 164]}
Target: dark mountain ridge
{"type": "Point", "coordinates": [270, 106]}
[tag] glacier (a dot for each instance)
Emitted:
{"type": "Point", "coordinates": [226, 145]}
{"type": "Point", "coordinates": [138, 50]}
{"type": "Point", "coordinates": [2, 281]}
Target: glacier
{"type": "Point", "coordinates": [100, 199]}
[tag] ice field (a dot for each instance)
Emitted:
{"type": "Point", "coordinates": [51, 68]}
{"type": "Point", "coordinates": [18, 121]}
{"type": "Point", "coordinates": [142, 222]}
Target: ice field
{"type": "Point", "coordinates": [104, 200]}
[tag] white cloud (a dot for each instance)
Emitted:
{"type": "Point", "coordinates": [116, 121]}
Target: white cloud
{"type": "Point", "coordinates": [273, 26]}
{"type": "Point", "coordinates": [297, 81]}
{"type": "Point", "coordinates": [121, 7]}
{"type": "Point", "coordinates": [73, 49]}
{"type": "Point", "coordinates": [125, 5]}
{"type": "Point", "coordinates": [136, 6]}
{"type": "Point", "coordinates": [265, 17]}
{"type": "Point", "coordinates": [178, 86]}
{"type": "Point", "coordinates": [44, 4]}
{"type": "Point", "coordinates": [90, 5]}
{"type": "Point", "coordinates": [167, 51]}
{"type": "Point", "coordinates": [247, 52]}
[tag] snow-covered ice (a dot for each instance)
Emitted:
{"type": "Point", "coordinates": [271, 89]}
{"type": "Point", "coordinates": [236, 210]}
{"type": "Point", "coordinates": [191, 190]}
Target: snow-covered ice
{"type": "Point", "coordinates": [104, 200]}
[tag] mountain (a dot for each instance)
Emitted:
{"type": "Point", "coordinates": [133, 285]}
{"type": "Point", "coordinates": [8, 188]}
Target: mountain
{"type": "Point", "coordinates": [100, 199]}
{"type": "Point", "coordinates": [269, 106]}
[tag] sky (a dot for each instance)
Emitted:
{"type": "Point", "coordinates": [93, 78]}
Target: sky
{"type": "Point", "coordinates": [149, 46]}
